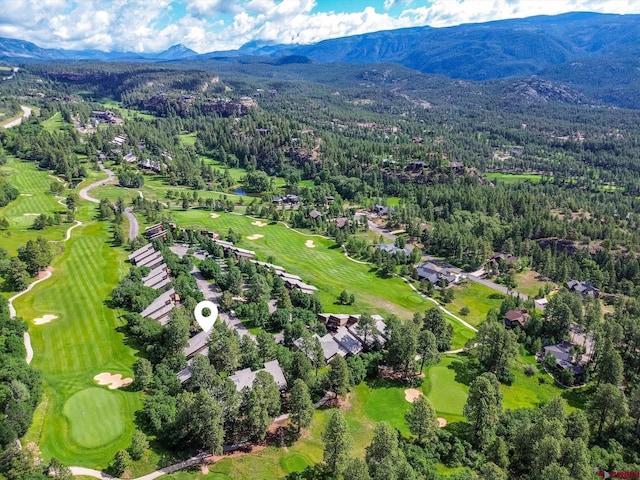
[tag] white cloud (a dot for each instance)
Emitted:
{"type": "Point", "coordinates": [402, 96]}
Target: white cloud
{"type": "Point", "coordinates": [222, 24]}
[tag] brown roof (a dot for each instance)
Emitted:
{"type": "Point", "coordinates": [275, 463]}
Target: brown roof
{"type": "Point", "coordinates": [520, 316]}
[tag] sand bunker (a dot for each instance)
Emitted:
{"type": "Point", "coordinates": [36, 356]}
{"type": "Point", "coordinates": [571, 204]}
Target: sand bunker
{"type": "Point", "coordinates": [30, 214]}
{"type": "Point", "coordinates": [442, 422]}
{"type": "Point", "coordinates": [255, 236]}
{"type": "Point", "coordinates": [26, 195]}
{"type": "Point", "coordinates": [44, 319]}
{"type": "Point", "coordinates": [310, 244]}
{"type": "Point", "coordinates": [114, 381]}
{"type": "Point", "coordinates": [410, 394]}
{"type": "Point", "coordinates": [258, 223]}
{"type": "Point", "coordinates": [214, 215]}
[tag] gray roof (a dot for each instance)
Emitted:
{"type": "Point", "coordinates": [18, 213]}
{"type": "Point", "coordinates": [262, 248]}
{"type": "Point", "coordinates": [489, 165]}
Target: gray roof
{"type": "Point", "coordinates": [391, 248]}
{"type": "Point", "coordinates": [141, 250]}
{"type": "Point", "coordinates": [331, 348]}
{"type": "Point", "coordinates": [197, 343]}
{"type": "Point", "coordinates": [564, 359]}
{"type": "Point", "coordinates": [160, 303]}
{"type": "Point", "coordinates": [245, 377]}
{"type": "Point", "coordinates": [151, 261]}
{"type": "Point", "coordinates": [348, 341]}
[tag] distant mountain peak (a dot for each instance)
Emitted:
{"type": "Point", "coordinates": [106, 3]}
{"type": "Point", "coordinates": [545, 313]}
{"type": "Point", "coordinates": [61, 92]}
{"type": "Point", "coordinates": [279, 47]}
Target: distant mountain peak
{"type": "Point", "coordinates": [176, 51]}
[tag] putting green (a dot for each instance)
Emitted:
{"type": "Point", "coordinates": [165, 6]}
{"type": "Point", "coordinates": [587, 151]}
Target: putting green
{"type": "Point", "coordinates": [95, 416]}
{"type": "Point", "coordinates": [446, 394]}
{"type": "Point", "coordinates": [295, 462]}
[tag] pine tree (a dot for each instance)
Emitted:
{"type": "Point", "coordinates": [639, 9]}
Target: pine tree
{"type": "Point", "coordinates": [337, 443]}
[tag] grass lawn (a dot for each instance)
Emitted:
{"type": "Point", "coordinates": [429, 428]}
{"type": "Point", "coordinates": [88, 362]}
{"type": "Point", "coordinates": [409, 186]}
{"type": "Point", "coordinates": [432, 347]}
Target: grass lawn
{"type": "Point", "coordinates": [479, 299]}
{"type": "Point", "coordinates": [323, 266]}
{"type": "Point", "coordinates": [440, 386]}
{"type": "Point", "coordinates": [117, 107]}
{"type": "Point", "coordinates": [33, 185]}
{"type": "Point", "coordinates": [188, 138]}
{"type": "Point", "coordinates": [514, 177]}
{"type": "Point", "coordinates": [529, 284]}
{"type": "Point", "coordinates": [79, 422]}
{"type": "Point", "coordinates": [55, 123]}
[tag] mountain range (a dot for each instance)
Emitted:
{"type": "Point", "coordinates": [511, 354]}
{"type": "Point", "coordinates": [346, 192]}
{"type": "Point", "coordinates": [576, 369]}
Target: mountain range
{"type": "Point", "coordinates": [598, 53]}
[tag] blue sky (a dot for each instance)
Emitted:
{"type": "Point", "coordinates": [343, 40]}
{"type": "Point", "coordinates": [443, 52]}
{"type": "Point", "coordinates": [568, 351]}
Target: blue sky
{"type": "Point", "coordinates": [210, 25]}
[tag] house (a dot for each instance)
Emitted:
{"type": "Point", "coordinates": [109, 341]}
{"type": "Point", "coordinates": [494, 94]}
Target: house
{"type": "Point", "coordinates": [392, 249]}
{"type": "Point", "coordinates": [417, 165]}
{"type": "Point", "coordinates": [130, 158]}
{"type": "Point", "coordinates": [245, 378]}
{"type": "Point", "coordinates": [333, 321]}
{"type": "Point", "coordinates": [159, 309]}
{"type": "Point", "coordinates": [435, 273]}
{"type": "Point", "coordinates": [348, 341]}
{"type": "Point", "coordinates": [155, 231]}
{"type": "Point", "coordinates": [158, 277]}
{"type": "Point", "coordinates": [376, 336]}
{"type": "Point", "coordinates": [515, 318]}
{"type": "Point", "coordinates": [277, 268]}
{"type": "Point", "coordinates": [291, 198]}
{"type": "Point", "coordinates": [152, 261]}
{"type": "Point", "coordinates": [456, 165]}
{"type": "Point", "coordinates": [315, 214]}
{"type": "Point", "coordinates": [381, 210]}
{"type": "Point", "coordinates": [197, 343]}
{"type": "Point", "coordinates": [498, 258]}
{"type": "Point", "coordinates": [564, 357]}
{"type": "Point", "coordinates": [330, 348]}
{"type": "Point", "coordinates": [583, 288]}
{"type": "Point", "coordinates": [341, 222]}
{"type": "Point", "coordinates": [141, 252]}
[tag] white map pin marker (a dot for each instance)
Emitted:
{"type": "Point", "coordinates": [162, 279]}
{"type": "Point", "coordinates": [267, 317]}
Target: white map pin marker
{"type": "Point", "coordinates": [206, 323]}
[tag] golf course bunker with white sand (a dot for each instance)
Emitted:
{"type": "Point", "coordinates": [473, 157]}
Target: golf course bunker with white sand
{"type": "Point", "coordinates": [411, 394]}
{"type": "Point", "coordinates": [214, 215]}
{"type": "Point", "coordinates": [310, 244]}
{"type": "Point", "coordinates": [255, 236]}
{"type": "Point", "coordinates": [112, 380]}
{"type": "Point", "coordinates": [30, 214]}
{"type": "Point", "coordinates": [258, 223]}
{"type": "Point", "coordinates": [44, 319]}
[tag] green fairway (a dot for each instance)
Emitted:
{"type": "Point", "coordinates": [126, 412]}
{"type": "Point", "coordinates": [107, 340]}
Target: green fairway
{"type": "Point", "coordinates": [383, 402]}
{"type": "Point", "coordinates": [479, 299]}
{"type": "Point", "coordinates": [55, 123]}
{"type": "Point", "coordinates": [103, 408]}
{"type": "Point", "coordinates": [514, 177]}
{"type": "Point", "coordinates": [324, 266]}
{"type": "Point", "coordinates": [34, 199]}
{"type": "Point", "coordinates": [79, 422]}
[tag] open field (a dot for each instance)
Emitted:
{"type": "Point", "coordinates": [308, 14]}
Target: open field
{"type": "Point", "coordinates": [529, 284]}
{"type": "Point", "coordinates": [117, 107]}
{"type": "Point", "coordinates": [33, 185]}
{"type": "Point", "coordinates": [79, 422]}
{"type": "Point", "coordinates": [514, 177]}
{"type": "Point", "coordinates": [54, 123]}
{"type": "Point", "coordinates": [478, 298]}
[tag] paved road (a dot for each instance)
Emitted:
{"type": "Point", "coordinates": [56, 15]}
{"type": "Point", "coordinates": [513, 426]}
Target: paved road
{"type": "Point", "coordinates": [495, 286]}
{"type": "Point", "coordinates": [134, 227]}
{"type": "Point", "coordinates": [26, 113]}
{"type": "Point", "coordinates": [84, 193]}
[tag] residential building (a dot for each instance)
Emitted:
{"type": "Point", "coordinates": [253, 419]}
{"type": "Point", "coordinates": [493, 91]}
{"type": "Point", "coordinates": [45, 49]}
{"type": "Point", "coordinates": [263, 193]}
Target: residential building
{"type": "Point", "coordinates": [516, 318]}
{"type": "Point", "coordinates": [583, 288]}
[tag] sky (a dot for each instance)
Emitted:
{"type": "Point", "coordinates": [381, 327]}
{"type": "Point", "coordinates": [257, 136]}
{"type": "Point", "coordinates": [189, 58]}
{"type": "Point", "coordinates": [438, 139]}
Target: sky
{"type": "Point", "coordinates": [215, 25]}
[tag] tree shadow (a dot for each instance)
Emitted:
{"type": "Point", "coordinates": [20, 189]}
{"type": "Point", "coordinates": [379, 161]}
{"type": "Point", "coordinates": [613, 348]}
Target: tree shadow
{"type": "Point", "coordinates": [497, 296]}
{"type": "Point", "coordinates": [466, 371]}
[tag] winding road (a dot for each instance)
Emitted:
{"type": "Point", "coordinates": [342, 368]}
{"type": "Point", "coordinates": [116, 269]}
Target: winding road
{"type": "Point", "coordinates": [26, 113]}
{"type": "Point", "coordinates": [134, 227]}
